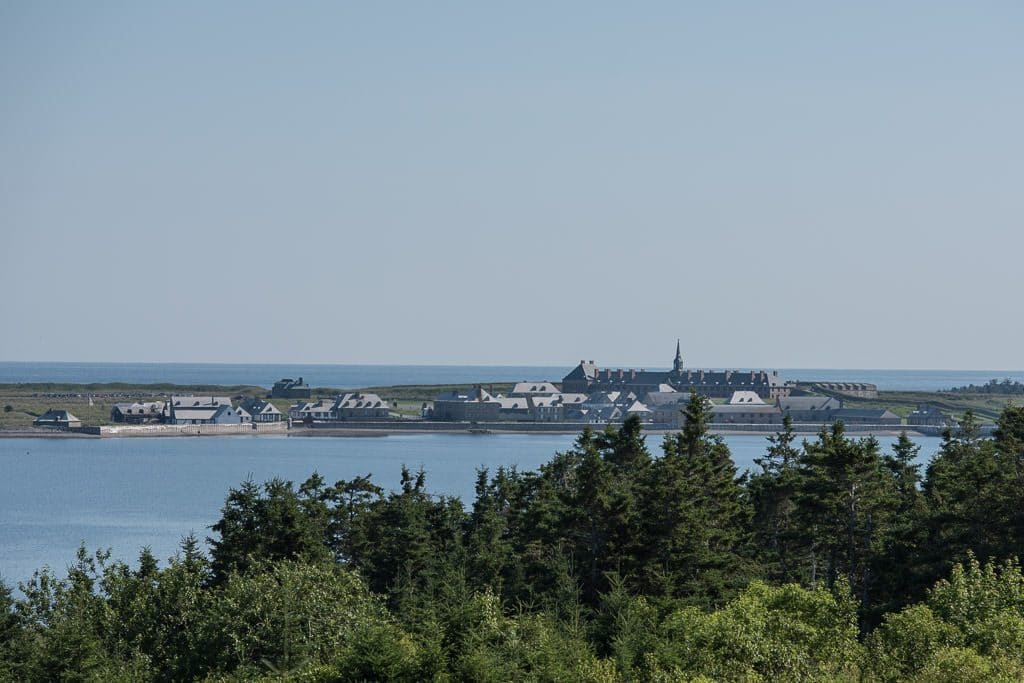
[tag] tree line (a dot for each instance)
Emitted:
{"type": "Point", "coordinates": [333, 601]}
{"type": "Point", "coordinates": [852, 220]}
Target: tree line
{"type": "Point", "coordinates": [1005, 386]}
{"type": "Point", "coordinates": [832, 561]}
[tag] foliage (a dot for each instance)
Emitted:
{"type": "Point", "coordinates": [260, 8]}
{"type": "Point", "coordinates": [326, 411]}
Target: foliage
{"type": "Point", "coordinates": [993, 386]}
{"type": "Point", "coordinates": [835, 561]}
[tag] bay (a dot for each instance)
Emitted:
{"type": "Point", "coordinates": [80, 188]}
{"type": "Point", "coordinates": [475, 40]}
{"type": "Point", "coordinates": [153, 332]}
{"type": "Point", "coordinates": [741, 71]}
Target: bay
{"type": "Point", "coordinates": [127, 493]}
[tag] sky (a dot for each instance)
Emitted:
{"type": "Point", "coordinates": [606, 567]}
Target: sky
{"type": "Point", "coordinates": [791, 184]}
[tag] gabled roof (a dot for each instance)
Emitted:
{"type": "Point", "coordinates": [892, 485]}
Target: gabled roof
{"type": "Point", "coordinates": [477, 394]}
{"type": "Point", "coordinates": [864, 413]}
{"type": "Point", "coordinates": [520, 403]}
{"type": "Point", "coordinates": [637, 407]}
{"type": "Point", "coordinates": [524, 388]}
{"type": "Point", "coordinates": [745, 398]}
{"type": "Point", "coordinates": [661, 398]}
{"type": "Point", "coordinates": [359, 400]}
{"type": "Point", "coordinates": [809, 403]}
{"type": "Point", "coordinates": [199, 401]}
{"type": "Point", "coordinates": [585, 370]}
{"type": "Point", "coordinates": [258, 406]}
{"type": "Point", "coordinates": [728, 408]}
{"type": "Point", "coordinates": [55, 415]}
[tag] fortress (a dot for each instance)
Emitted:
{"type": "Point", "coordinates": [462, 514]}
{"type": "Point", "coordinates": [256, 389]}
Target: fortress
{"type": "Point", "coordinates": [587, 377]}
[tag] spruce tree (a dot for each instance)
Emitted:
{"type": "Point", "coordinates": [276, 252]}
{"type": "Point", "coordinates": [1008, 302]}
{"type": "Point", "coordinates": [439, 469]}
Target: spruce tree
{"type": "Point", "coordinates": [772, 493]}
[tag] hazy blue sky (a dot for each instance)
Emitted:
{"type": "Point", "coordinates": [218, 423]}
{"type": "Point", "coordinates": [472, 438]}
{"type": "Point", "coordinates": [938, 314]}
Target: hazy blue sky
{"type": "Point", "coordinates": [780, 184]}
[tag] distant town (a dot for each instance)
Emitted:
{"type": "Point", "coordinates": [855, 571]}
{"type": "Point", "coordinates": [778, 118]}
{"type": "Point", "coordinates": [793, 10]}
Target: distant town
{"type": "Point", "coordinates": [740, 400]}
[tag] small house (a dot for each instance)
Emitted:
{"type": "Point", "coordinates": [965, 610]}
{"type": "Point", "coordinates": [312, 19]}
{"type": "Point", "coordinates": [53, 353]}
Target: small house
{"type": "Point", "coordinates": [57, 419]}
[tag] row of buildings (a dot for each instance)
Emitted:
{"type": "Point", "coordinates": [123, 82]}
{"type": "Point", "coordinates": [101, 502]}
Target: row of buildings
{"type": "Point", "coordinates": [592, 395]}
{"type": "Point", "coordinates": [352, 406]}
{"type": "Point", "coordinates": [662, 406]}
{"type": "Point", "coordinates": [196, 410]}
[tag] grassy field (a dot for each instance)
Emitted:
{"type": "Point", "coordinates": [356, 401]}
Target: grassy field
{"type": "Point", "coordinates": [91, 403]}
{"type": "Point", "coordinates": [986, 407]}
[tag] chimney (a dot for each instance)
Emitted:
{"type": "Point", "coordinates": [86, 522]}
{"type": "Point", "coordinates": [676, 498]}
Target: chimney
{"type": "Point", "coordinates": [620, 373]}
{"type": "Point", "coordinates": [608, 374]}
{"type": "Point", "coordinates": [632, 374]}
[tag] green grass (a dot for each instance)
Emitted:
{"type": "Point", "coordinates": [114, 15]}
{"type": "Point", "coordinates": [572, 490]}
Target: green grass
{"type": "Point", "coordinates": [986, 407]}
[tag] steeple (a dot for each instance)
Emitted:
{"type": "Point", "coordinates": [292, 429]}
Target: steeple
{"type": "Point", "coordinates": [677, 364]}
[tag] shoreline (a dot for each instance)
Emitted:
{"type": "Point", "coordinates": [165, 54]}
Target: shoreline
{"type": "Point", "coordinates": [385, 430]}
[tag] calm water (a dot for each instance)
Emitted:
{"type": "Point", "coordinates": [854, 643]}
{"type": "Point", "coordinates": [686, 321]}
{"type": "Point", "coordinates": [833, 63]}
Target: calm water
{"type": "Point", "coordinates": [358, 376]}
{"type": "Point", "coordinates": [128, 493]}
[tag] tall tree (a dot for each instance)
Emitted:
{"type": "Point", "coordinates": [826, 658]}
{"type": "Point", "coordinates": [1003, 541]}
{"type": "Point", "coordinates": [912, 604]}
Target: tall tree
{"type": "Point", "coordinates": [772, 493]}
{"type": "Point", "coordinates": [695, 516]}
{"type": "Point", "coordinates": [846, 507]}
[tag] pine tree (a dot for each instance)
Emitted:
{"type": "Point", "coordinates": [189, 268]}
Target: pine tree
{"type": "Point", "coordinates": [695, 516]}
{"type": "Point", "coordinates": [772, 492]}
{"type": "Point", "coordinates": [845, 508]}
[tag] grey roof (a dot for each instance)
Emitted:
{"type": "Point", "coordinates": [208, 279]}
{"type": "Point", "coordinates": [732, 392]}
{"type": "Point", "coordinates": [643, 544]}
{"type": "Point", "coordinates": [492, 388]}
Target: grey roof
{"type": "Point", "coordinates": [745, 398]}
{"type": "Point", "coordinates": [661, 398]}
{"type": "Point", "coordinates": [477, 394]}
{"type": "Point", "coordinates": [199, 401]}
{"type": "Point", "coordinates": [524, 388]}
{"type": "Point", "coordinates": [205, 413]}
{"type": "Point", "coordinates": [140, 408]}
{"type": "Point", "coordinates": [514, 403]}
{"type": "Point", "coordinates": [726, 408]}
{"type": "Point", "coordinates": [56, 415]}
{"type": "Point", "coordinates": [637, 407]}
{"type": "Point", "coordinates": [863, 413]}
{"type": "Point", "coordinates": [732, 378]}
{"type": "Point", "coordinates": [258, 406]}
{"type": "Point", "coordinates": [359, 400]}
{"type": "Point", "coordinates": [610, 377]}
{"type": "Point", "coordinates": [585, 370]}
{"type": "Point", "coordinates": [807, 403]}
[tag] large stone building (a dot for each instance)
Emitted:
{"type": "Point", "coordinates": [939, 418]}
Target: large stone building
{"type": "Point", "coordinates": [475, 405]}
{"type": "Point", "coordinates": [587, 378]}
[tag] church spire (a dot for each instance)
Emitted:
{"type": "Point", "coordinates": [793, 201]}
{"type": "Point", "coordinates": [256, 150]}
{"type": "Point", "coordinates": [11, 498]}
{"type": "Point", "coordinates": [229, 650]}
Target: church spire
{"type": "Point", "coordinates": [677, 364]}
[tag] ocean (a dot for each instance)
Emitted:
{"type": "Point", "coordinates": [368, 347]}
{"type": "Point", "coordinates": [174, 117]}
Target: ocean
{"type": "Point", "coordinates": [360, 376]}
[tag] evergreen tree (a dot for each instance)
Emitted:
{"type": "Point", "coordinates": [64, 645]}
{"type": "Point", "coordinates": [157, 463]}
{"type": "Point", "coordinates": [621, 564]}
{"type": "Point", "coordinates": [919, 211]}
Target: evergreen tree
{"type": "Point", "coordinates": [278, 522]}
{"type": "Point", "coordinates": [772, 493]}
{"type": "Point", "coordinates": [695, 516]}
{"type": "Point", "coordinates": [350, 509]}
{"type": "Point", "coordinates": [846, 507]}
{"type": "Point", "coordinates": [963, 488]}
